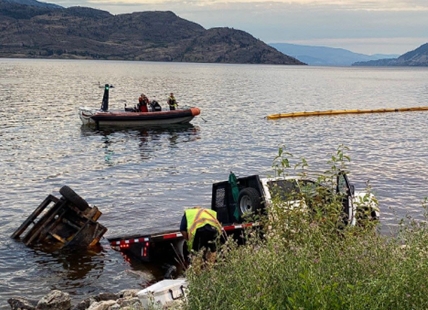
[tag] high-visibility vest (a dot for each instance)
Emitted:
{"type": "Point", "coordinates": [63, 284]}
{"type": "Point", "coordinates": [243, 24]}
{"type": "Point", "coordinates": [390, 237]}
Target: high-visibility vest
{"type": "Point", "coordinates": [197, 218]}
{"type": "Point", "coordinates": [172, 101]}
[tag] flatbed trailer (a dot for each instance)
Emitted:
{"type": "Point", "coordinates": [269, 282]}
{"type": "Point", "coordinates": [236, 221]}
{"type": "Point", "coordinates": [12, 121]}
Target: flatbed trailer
{"type": "Point", "coordinates": [165, 245]}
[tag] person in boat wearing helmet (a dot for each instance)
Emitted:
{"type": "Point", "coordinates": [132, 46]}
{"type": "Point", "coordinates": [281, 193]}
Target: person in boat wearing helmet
{"type": "Point", "coordinates": [200, 228]}
{"type": "Point", "coordinates": [143, 102]}
{"type": "Point", "coordinates": [172, 102]}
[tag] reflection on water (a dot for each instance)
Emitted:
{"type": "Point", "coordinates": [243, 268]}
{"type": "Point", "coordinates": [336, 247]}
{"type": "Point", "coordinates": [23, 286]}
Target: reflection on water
{"type": "Point", "coordinates": [142, 179]}
{"type": "Point", "coordinates": [170, 129]}
{"type": "Point", "coordinates": [149, 139]}
{"type": "Point", "coordinates": [75, 264]}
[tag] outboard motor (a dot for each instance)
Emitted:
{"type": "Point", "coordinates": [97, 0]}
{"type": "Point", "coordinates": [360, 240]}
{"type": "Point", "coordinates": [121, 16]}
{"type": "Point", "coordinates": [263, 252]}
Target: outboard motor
{"type": "Point", "coordinates": [104, 104]}
{"type": "Point", "coordinates": [155, 106]}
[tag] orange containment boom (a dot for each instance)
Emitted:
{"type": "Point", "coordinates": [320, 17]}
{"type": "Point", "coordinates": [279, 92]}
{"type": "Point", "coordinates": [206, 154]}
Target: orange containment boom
{"type": "Point", "coordinates": [336, 112]}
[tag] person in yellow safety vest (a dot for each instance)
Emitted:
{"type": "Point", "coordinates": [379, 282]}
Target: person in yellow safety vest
{"type": "Point", "coordinates": [201, 228]}
{"type": "Point", "coordinates": [172, 102]}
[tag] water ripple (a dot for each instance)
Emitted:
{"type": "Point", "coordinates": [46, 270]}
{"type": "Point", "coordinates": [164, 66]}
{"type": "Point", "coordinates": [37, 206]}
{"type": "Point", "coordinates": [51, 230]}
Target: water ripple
{"type": "Point", "coordinates": [142, 179]}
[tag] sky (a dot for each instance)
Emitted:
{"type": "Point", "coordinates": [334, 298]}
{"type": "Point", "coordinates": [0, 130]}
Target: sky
{"type": "Point", "coordinates": [361, 26]}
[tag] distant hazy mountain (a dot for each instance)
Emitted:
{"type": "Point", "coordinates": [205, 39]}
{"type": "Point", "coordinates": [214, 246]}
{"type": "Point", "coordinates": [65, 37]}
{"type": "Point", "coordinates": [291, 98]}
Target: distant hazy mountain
{"type": "Point", "coordinates": [325, 56]}
{"type": "Point", "coordinates": [415, 58]}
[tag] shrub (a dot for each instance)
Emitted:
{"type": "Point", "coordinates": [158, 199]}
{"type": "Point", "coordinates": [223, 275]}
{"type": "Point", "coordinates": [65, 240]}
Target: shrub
{"type": "Point", "coordinates": [308, 260]}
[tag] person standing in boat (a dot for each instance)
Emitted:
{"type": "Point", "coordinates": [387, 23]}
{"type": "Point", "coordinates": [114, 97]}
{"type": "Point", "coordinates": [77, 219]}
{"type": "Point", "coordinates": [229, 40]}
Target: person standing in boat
{"type": "Point", "coordinates": [172, 102]}
{"type": "Point", "coordinates": [143, 102]}
{"type": "Point", "coordinates": [200, 228]}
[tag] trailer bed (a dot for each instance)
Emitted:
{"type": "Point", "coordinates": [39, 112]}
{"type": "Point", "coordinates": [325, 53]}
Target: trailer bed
{"type": "Point", "coordinates": [161, 247]}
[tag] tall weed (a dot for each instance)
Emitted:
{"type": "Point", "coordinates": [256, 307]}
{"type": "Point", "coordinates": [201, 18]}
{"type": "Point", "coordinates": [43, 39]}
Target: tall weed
{"type": "Point", "coordinates": [305, 259]}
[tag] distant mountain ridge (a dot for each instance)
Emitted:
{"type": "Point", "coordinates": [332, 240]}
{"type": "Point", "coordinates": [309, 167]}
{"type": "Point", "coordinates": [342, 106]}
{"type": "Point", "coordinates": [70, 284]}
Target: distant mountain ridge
{"type": "Point", "coordinates": [34, 29]}
{"type": "Point", "coordinates": [415, 58]}
{"type": "Point", "coordinates": [38, 30]}
{"type": "Point", "coordinates": [325, 56]}
{"type": "Point", "coordinates": [35, 3]}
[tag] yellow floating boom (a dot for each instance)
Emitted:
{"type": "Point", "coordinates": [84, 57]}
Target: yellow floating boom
{"type": "Point", "coordinates": [336, 112]}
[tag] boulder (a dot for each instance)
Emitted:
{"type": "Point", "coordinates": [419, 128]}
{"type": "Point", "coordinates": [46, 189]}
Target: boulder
{"type": "Point", "coordinates": [20, 303]}
{"type": "Point", "coordinates": [55, 300]}
{"type": "Point", "coordinates": [103, 305]}
{"type": "Point", "coordinates": [106, 296]}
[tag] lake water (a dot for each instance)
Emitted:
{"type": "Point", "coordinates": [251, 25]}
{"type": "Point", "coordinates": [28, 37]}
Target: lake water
{"type": "Point", "coordinates": [142, 179]}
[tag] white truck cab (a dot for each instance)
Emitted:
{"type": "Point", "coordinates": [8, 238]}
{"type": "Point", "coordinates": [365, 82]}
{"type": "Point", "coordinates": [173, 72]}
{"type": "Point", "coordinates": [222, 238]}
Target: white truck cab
{"type": "Point", "coordinates": [255, 194]}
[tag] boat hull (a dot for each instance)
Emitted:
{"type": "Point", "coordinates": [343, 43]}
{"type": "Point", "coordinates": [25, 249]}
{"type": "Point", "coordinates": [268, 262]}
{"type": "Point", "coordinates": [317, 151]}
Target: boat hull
{"type": "Point", "coordinates": [119, 118]}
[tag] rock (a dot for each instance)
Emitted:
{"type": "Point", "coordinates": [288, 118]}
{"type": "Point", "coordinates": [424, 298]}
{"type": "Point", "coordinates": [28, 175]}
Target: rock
{"type": "Point", "coordinates": [85, 304]}
{"type": "Point", "coordinates": [21, 303]}
{"type": "Point", "coordinates": [55, 300]}
{"type": "Point", "coordinates": [103, 305]}
{"type": "Point", "coordinates": [106, 296]}
{"type": "Point", "coordinates": [128, 293]}
{"type": "Point", "coordinates": [131, 303]}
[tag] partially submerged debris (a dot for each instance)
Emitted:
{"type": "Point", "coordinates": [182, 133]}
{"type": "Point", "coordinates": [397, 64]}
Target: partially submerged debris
{"type": "Point", "coordinates": [67, 221]}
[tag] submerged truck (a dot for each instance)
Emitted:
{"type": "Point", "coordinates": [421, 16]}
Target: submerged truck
{"type": "Point", "coordinates": [236, 198]}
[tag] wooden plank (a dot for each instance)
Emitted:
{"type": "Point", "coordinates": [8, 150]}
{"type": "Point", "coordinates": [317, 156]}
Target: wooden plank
{"type": "Point", "coordinates": [41, 224]}
{"type": "Point", "coordinates": [34, 215]}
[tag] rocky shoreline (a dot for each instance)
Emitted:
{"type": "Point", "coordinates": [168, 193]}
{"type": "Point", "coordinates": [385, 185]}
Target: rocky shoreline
{"type": "Point", "coordinates": [58, 300]}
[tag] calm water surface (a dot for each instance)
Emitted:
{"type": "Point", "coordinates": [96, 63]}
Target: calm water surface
{"type": "Point", "coordinates": [142, 179]}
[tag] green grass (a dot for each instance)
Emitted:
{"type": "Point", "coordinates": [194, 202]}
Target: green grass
{"type": "Point", "coordinates": [307, 260]}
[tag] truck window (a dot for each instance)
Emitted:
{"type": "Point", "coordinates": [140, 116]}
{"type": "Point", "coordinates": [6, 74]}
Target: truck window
{"type": "Point", "coordinates": [308, 187]}
{"type": "Point", "coordinates": [342, 185]}
{"type": "Point", "coordinates": [283, 189]}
